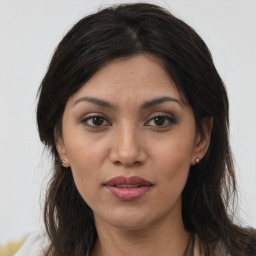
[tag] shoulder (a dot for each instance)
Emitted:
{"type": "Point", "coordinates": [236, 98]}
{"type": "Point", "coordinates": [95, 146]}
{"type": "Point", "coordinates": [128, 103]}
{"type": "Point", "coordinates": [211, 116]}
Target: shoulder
{"type": "Point", "coordinates": [216, 249]}
{"type": "Point", "coordinates": [243, 245]}
{"type": "Point", "coordinates": [35, 245]}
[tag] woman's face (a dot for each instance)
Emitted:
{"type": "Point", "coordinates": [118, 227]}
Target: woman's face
{"type": "Point", "coordinates": [129, 137]}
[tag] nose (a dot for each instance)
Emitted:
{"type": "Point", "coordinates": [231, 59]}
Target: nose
{"type": "Point", "coordinates": [127, 148]}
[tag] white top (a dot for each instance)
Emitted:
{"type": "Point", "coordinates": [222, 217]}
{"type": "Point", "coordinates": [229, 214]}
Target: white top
{"type": "Point", "coordinates": [35, 245]}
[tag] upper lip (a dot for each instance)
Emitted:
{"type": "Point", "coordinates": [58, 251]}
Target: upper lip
{"type": "Point", "coordinates": [133, 180]}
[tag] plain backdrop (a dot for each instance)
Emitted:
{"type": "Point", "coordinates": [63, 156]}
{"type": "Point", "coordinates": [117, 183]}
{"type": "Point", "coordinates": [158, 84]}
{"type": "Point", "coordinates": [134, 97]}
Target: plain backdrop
{"type": "Point", "coordinates": [30, 31]}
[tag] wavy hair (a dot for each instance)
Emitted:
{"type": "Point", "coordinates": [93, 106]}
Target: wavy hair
{"type": "Point", "coordinates": [122, 31]}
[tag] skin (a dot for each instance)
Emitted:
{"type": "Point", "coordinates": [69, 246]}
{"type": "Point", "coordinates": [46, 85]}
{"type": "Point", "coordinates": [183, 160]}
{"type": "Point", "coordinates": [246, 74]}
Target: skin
{"type": "Point", "coordinates": [129, 140]}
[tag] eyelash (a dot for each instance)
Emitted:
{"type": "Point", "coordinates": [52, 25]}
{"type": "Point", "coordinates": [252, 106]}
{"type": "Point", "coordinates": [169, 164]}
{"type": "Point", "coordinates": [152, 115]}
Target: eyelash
{"type": "Point", "coordinates": [90, 118]}
{"type": "Point", "coordinates": [168, 118]}
{"type": "Point", "coordinates": [165, 118]}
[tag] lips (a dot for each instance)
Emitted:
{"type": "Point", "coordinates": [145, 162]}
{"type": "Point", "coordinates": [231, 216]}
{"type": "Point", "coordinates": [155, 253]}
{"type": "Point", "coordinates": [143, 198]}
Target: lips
{"type": "Point", "coordinates": [128, 188]}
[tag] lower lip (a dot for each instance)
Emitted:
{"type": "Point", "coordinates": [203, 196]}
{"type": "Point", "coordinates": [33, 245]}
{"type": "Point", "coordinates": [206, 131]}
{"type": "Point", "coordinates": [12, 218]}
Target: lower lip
{"type": "Point", "coordinates": [128, 194]}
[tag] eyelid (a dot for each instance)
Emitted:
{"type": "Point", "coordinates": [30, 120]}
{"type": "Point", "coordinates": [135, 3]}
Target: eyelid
{"type": "Point", "coordinates": [168, 116]}
{"type": "Point", "coordinates": [84, 120]}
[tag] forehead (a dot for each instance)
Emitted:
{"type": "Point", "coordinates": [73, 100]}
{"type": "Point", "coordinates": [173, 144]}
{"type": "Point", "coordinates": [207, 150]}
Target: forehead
{"type": "Point", "coordinates": [130, 79]}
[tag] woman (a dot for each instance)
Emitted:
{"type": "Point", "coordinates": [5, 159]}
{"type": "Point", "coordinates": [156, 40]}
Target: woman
{"type": "Point", "coordinates": [136, 118]}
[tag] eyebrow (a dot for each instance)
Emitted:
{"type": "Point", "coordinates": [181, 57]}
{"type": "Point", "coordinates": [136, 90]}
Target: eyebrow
{"type": "Point", "coordinates": [145, 105]}
{"type": "Point", "coordinates": [158, 101]}
{"type": "Point", "coordinates": [95, 101]}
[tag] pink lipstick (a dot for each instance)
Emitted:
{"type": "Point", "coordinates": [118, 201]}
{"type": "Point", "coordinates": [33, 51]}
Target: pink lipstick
{"type": "Point", "coordinates": [128, 188]}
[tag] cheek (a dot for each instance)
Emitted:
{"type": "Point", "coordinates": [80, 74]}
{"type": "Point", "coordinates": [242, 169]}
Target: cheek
{"type": "Point", "coordinates": [174, 150]}
{"type": "Point", "coordinates": [82, 148]}
{"type": "Point", "coordinates": [173, 179]}
{"type": "Point", "coordinates": [85, 158]}
{"type": "Point", "coordinates": [173, 160]}
{"type": "Point", "coordinates": [174, 169]}
{"type": "Point", "coordinates": [85, 170]}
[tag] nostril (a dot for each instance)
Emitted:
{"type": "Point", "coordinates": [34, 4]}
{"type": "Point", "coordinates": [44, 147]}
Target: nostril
{"type": "Point", "coordinates": [137, 163]}
{"type": "Point", "coordinates": [128, 164]}
{"type": "Point", "coordinates": [117, 163]}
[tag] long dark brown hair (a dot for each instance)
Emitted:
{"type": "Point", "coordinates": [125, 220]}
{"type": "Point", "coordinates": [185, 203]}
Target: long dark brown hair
{"type": "Point", "coordinates": [128, 30]}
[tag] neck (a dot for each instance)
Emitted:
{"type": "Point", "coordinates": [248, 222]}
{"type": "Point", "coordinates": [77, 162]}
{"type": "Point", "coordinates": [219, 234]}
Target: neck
{"type": "Point", "coordinates": [163, 238]}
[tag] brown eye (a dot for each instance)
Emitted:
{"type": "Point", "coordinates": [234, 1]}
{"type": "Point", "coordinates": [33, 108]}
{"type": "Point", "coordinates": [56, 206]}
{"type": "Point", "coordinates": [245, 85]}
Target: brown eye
{"type": "Point", "coordinates": [95, 121]}
{"type": "Point", "coordinates": [161, 121]}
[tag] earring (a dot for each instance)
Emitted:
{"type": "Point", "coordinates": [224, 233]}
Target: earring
{"type": "Point", "coordinates": [197, 160]}
{"type": "Point", "coordinates": [63, 161]}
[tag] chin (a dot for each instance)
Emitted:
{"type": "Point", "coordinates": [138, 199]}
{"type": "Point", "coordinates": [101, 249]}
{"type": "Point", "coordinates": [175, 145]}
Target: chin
{"type": "Point", "coordinates": [130, 225]}
{"type": "Point", "coordinates": [130, 220]}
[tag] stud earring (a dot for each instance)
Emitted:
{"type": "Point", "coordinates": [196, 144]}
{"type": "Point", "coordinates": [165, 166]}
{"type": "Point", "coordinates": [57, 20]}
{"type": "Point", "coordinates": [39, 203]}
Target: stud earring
{"type": "Point", "coordinates": [63, 161]}
{"type": "Point", "coordinates": [197, 160]}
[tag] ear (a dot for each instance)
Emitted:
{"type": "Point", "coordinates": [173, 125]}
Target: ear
{"type": "Point", "coordinates": [202, 140]}
{"type": "Point", "coordinates": [61, 149]}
